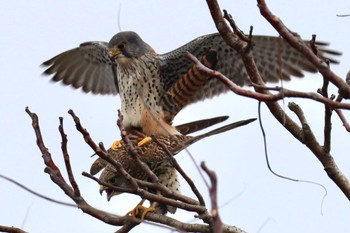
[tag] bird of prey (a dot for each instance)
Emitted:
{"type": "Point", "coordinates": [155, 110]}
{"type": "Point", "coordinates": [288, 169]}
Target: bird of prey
{"type": "Point", "coordinates": [135, 136]}
{"type": "Point", "coordinates": [154, 156]}
{"type": "Point", "coordinates": [154, 87]}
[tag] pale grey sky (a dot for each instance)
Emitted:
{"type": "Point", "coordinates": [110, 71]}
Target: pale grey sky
{"type": "Point", "coordinates": [34, 31]}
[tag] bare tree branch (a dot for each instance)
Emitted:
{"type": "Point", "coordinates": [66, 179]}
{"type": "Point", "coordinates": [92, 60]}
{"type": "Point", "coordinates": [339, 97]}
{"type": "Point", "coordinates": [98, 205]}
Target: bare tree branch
{"type": "Point", "coordinates": [188, 203]}
{"type": "Point", "coordinates": [327, 118]}
{"type": "Point", "coordinates": [181, 171]}
{"type": "Point", "coordinates": [126, 222]}
{"type": "Point", "coordinates": [67, 160]}
{"type": "Point", "coordinates": [213, 191]}
{"type": "Point", "coordinates": [343, 119]}
{"type": "Point", "coordinates": [267, 97]}
{"type": "Point", "coordinates": [294, 41]}
{"type": "Point", "coordinates": [36, 193]}
{"type": "Point", "coordinates": [11, 229]}
{"type": "Point", "coordinates": [58, 179]}
{"type": "Point", "coordinates": [304, 134]}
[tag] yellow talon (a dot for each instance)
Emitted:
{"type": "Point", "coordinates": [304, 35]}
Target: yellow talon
{"type": "Point", "coordinates": [116, 144]}
{"type": "Point", "coordinates": [134, 212]}
{"type": "Point", "coordinates": [140, 208]}
{"type": "Point", "coordinates": [149, 209]}
{"type": "Point", "coordinates": [144, 141]}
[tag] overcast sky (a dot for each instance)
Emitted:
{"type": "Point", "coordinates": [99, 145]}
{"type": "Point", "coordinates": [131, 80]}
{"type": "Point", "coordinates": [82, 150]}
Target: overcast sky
{"type": "Point", "coordinates": [251, 197]}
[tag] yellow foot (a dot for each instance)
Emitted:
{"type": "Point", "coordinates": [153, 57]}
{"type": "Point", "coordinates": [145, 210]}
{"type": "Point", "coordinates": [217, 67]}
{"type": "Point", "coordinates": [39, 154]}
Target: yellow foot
{"type": "Point", "coordinates": [116, 144]}
{"type": "Point", "coordinates": [134, 212]}
{"type": "Point", "coordinates": [152, 208]}
{"type": "Point", "coordinates": [140, 208]}
{"type": "Point", "coordinates": [144, 141]}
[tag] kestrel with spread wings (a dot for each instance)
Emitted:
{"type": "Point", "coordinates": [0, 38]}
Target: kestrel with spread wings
{"type": "Point", "coordinates": [154, 87]}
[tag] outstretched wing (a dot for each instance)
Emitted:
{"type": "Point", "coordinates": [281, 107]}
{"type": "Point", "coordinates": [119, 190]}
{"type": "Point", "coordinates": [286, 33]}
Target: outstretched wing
{"type": "Point", "coordinates": [275, 59]}
{"type": "Point", "coordinates": [87, 67]}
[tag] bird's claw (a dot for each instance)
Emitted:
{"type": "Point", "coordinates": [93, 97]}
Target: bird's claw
{"type": "Point", "coordinates": [152, 208]}
{"type": "Point", "coordinates": [141, 209]}
{"type": "Point", "coordinates": [134, 212]}
{"type": "Point", "coordinates": [144, 141]}
{"type": "Point", "coordinates": [116, 145]}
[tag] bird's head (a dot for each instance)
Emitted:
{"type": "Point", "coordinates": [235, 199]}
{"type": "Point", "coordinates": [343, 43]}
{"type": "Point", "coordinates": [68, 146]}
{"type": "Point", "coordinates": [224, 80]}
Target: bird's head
{"type": "Point", "coordinates": [124, 46]}
{"type": "Point", "coordinates": [112, 177]}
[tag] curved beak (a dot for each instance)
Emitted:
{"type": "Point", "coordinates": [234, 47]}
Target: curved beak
{"type": "Point", "coordinates": [110, 193]}
{"type": "Point", "coordinates": [102, 188]}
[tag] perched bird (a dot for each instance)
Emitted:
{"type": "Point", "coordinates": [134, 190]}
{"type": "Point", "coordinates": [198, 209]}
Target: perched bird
{"type": "Point", "coordinates": [154, 87]}
{"type": "Point", "coordinates": [154, 156]}
{"type": "Point", "coordinates": [135, 136]}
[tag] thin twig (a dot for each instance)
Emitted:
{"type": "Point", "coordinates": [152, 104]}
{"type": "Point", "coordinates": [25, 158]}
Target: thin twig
{"type": "Point", "coordinates": [67, 160]}
{"type": "Point", "coordinates": [193, 206]}
{"type": "Point", "coordinates": [217, 223]}
{"type": "Point", "coordinates": [343, 119]}
{"type": "Point", "coordinates": [101, 153]}
{"type": "Point", "coordinates": [36, 193]}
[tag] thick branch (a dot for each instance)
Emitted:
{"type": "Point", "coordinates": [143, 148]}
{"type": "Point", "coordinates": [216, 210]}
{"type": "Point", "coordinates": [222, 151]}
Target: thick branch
{"type": "Point", "coordinates": [325, 158]}
{"type": "Point", "coordinates": [11, 229]}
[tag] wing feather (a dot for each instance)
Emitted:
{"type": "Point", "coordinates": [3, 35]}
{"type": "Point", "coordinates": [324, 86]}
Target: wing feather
{"type": "Point", "coordinates": [87, 67]}
{"type": "Point", "coordinates": [275, 59]}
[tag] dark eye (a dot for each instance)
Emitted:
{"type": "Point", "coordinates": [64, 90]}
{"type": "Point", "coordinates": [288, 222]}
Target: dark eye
{"type": "Point", "coordinates": [121, 46]}
{"type": "Point", "coordinates": [112, 180]}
